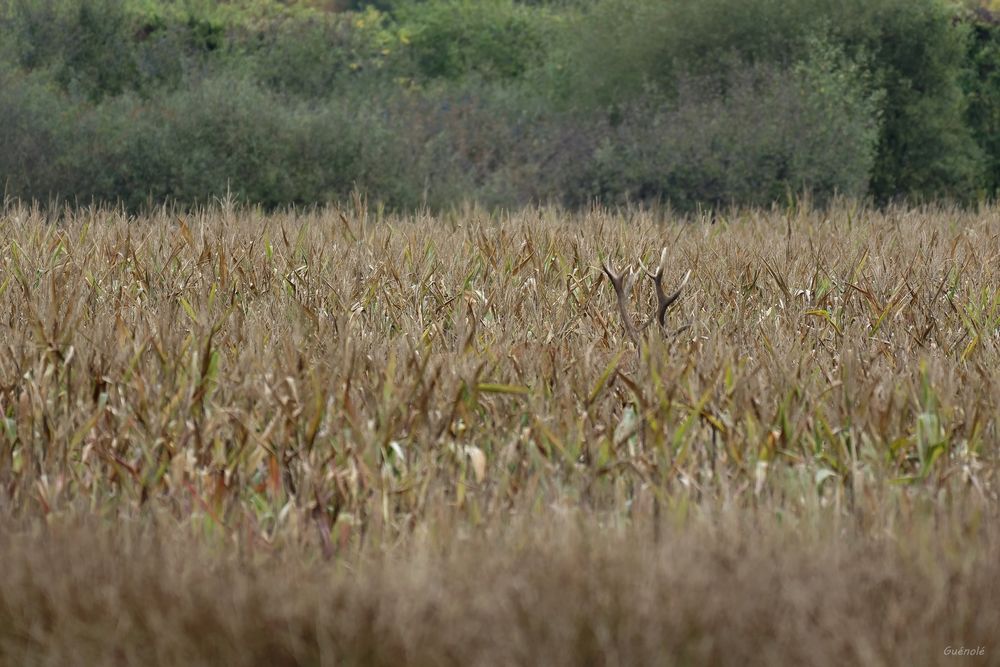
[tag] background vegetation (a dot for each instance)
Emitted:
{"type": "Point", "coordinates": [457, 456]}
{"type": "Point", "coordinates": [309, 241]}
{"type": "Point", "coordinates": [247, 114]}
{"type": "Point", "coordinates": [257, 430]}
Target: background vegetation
{"type": "Point", "coordinates": [503, 102]}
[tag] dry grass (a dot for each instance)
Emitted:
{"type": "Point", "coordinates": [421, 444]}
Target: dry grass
{"type": "Point", "coordinates": [334, 438]}
{"type": "Point", "coordinates": [725, 595]}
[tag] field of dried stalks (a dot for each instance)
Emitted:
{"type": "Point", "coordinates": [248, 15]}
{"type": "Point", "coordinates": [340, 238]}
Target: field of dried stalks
{"type": "Point", "coordinates": [339, 437]}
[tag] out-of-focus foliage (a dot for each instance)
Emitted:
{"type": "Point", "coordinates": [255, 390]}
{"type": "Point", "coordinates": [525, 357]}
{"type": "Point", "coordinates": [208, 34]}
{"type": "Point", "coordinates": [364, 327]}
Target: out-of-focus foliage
{"type": "Point", "coordinates": [501, 101]}
{"type": "Point", "coordinates": [747, 138]}
{"type": "Point", "coordinates": [449, 39]}
{"type": "Point", "coordinates": [983, 86]}
{"type": "Point", "coordinates": [912, 51]}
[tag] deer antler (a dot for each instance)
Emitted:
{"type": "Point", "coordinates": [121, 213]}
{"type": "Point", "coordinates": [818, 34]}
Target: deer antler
{"type": "Point", "coordinates": [624, 282]}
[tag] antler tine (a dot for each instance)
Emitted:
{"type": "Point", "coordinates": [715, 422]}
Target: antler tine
{"type": "Point", "coordinates": [663, 302]}
{"type": "Point", "coordinates": [622, 282]}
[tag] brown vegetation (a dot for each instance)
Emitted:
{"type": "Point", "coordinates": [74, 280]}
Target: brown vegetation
{"type": "Point", "coordinates": [329, 438]}
{"type": "Point", "coordinates": [733, 593]}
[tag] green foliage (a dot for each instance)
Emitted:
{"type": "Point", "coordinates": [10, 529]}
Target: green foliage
{"type": "Point", "coordinates": [506, 102]}
{"type": "Point", "coordinates": [223, 134]}
{"type": "Point", "coordinates": [493, 38]}
{"type": "Point", "coordinates": [31, 117]}
{"type": "Point", "coordinates": [99, 48]}
{"type": "Point", "coordinates": [926, 150]}
{"type": "Point", "coordinates": [230, 135]}
{"type": "Point", "coordinates": [324, 54]}
{"type": "Point", "coordinates": [911, 48]}
{"type": "Point", "coordinates": [87, 46]}
{"type": "Point", "coordinates": [752, 138]}
{"type": "Point", "coordinates": [983, 86]}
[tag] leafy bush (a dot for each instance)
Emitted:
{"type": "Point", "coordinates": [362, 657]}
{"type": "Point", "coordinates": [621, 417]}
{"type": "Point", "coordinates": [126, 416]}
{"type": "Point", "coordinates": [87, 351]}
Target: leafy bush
{"type": "Point", "coordinates": [983, 86]}
{"type": "Point", "coordinates": [449, 39]}
{"type": "Point", "coordinates": [750, 139]}
{"type": "Point", "coordinates": [912, 49]}
{"type": "Point", "coordinates": [325, 54]}
{"type": "Point", "coordinates": [222, 134]}
{"type": "Point", "coordinates": [926, 150]}
{"type": "Point", "coordinates": [32, 114]}
{"type": "Point", "coordinates": [229, 134]}
{"type": "Point", "coordinates": [87, 45]}
{"type": "Point", "coordinates": [506, 102]}
{"type": "Point", "coordinates": [101, 48]}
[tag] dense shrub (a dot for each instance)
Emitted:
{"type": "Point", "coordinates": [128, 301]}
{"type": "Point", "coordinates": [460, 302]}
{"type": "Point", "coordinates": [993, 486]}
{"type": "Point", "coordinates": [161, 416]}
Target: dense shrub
{"type": "Point", "coordinates": [87, 46]}
{"type": "Point", "coordinates": [983, 85]}
{"type": "Point", "coordinates": [912, 49]}
{"type": "Point", "coordinates": [100, 48]}
{"type": "Point", "coordinates": [223, 134]}
{"type": "Point", "coordinates": [32, 114]}
{"type": "Point", "coordinates": [325, 54]}
{"type": "Point", "coordinates": [926, 150]}
{"type": "Point", "coordinates": [505, 102]}
{"type": "Point", "coordinates": [494, 39]}
{"type": "Point", "coordinates": [231, 135]}
{"type": "Point", "coordinates": [752, 138]}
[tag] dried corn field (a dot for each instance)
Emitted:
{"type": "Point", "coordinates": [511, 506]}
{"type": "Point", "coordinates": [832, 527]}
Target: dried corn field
{"type": "Point", "coordinates": [339, 437]}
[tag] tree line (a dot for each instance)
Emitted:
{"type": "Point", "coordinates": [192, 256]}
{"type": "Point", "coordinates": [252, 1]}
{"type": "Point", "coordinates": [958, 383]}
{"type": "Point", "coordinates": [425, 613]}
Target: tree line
{"type": "Point", "coordinates": [437, 102]}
